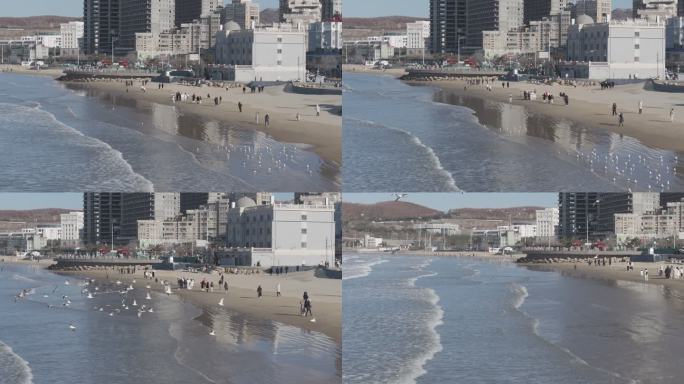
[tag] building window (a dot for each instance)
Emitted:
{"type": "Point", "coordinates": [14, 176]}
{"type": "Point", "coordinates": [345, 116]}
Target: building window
{"type": "Point", "coordinates": [280, 62]}
{"type": "Point", "coordinates": [636, 59]}
{"type": "Point", "coordinates": [280, 39]}
{"type": "Point", "coordinates": [636, 46]}
{"type": "Point", "coordinates": [280, 51]}
{"type": "Point", "coordinates": [636, 33]}
{"type": "Point", "coordinates": [303, 231]}
{"type": "Point", "coordinates": [303, 217]}
{"type": "Point", "coordinates": [303, 244]}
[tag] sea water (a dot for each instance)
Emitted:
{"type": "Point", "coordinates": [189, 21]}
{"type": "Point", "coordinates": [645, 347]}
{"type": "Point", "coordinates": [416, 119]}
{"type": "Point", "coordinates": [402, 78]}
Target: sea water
{"type": "Point", "coordinates": [426, 320]}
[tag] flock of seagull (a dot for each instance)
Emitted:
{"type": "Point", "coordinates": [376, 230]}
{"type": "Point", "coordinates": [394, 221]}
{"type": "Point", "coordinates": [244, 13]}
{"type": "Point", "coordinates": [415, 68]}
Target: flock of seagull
{"type": "Point", "coordinates": [638, 172]}
{"type": "Point", "coordinates": [264, 160]}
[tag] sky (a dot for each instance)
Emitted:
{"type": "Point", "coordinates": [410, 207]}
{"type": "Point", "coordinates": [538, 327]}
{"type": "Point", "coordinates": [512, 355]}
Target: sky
{"type": "Point", "coordinates": [418, 8]}
{"type": "Point", "coordinates": [22, 201]}
{"type": "Point", "coordinates": [12, 8]}
{"type": "Point", "coordinates": [446, 201]}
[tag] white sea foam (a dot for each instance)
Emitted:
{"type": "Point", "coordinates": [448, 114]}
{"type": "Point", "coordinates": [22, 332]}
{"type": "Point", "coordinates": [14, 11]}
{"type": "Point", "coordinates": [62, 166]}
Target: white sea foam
{"type": "Point", "coordinates": [437, 319]}
{"type": "Point", "coordinates": [436, 162]}
{"type": "Point", "coordinates": [13, 368]}
{"type": "Point", "coordinates": [361, 269]}
{"type": "Point", "coordinates": [145, 184]}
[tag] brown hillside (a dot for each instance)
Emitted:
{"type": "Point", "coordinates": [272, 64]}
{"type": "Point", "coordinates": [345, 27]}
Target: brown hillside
{"type": "Point", "coordinates": [388, 210]}
{"type": "Point", "coordinates": [35, 22]}
{"type": "Point", "coordinates": [46, 215]}
{"type": "Point", "coordinates": [515, 214]}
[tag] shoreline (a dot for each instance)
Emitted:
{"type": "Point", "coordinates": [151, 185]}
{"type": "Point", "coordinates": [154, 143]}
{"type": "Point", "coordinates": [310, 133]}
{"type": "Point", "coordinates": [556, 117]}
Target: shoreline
{"type": "Point", "coordinates": [588, 106]}
{"type": "Point", "coordinates": [241, 296]}
{"type": "Point", "coordinates": [358, 68]}
{"type": "Point", "coordinates": [614, 273]}
{"type": "Point", "coordinates": [321, 135]}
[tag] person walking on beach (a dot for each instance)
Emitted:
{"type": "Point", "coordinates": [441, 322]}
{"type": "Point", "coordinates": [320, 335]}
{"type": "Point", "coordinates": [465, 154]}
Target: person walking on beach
{"type": "Point", "coordinates": [672, 115]}
{"type": "Point", "coordinates": [240, 106]}
{"type": "Point", "coordinates": [641, 107]}
{"type": "Point", "coordinates": [621, 120]}
{"type": "Point", "coordinates": [307, 308]}
{"type": "Point", "coordinates": [318, 110]}
{"type": "Point", "coordinates": [278, 290]}
{"type": "Point", "coordinates": [614, 109]}
{"type": "Point", "coordinates": [259, 291]}
{"type": "Point", "coordinates": [267, 120]}
{"type": "Point", "coordinates": [297, 116]}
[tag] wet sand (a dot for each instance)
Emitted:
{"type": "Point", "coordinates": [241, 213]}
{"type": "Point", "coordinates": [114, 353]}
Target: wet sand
{"type": "Point", "coordinates": [242, 297]}
{"type": "Point", "coordinates": [616, 272]}
{"type": "Point", "coordinates": [591, 107]}
{"type": "Point", "coordinates": [323, 134]}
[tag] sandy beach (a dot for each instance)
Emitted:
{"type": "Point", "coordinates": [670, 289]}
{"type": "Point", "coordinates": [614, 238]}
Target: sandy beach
{"type": "Point", "coordinates": [242, 296]}
{"type": "Point", "coordinates": [592, 107]}
{"type": "Point", "coordinates": [326, 294]}
{"type": "Point", "coordinates": [19, 70]}
{"type": "Point", "coordinates": [615, 272]}
{"type": "Point", "coordinates": [322, 134]}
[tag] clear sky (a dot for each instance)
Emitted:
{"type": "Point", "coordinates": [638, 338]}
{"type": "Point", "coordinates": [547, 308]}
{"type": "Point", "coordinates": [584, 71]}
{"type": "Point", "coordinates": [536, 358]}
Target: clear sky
{"type": "Point", "coordinates": [21, 201]}
{"type": "Point", "coordinates": [418, 8]}
{"type": "Point", "coordinates": [446, 201]}
{"type": "Point", "coordinates": [11, 8]}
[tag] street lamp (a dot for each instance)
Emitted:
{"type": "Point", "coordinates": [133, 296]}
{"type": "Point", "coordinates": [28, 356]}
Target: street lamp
{"type": "Point", "coordinates": [587, 216]}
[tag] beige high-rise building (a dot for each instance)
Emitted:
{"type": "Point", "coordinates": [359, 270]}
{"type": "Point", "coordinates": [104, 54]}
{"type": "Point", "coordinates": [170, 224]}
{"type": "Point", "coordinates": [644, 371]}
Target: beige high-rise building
{"type": "Point", "coordinates": [243, 12]}
{"type": "Point", "coordinates": [598, 10]}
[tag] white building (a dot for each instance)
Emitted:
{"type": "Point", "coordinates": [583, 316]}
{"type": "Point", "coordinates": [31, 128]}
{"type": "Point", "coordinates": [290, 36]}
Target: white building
{"type": "Point", "coordinates": [279, 234]}
{"type": "Point", "coordinates": [417, 34]}
{"type": "Point", "coordinates": [598, 10]}
{"type": "Point", "coordinates": [654, 10]}
{"type": "Point", "coordinates": [615, 50]}
{"type": "Point", "coordinates": [394, 41]}
{"type": "Point", "coordinates": [300, 12]}
{"type": "Point", "coordinates": [72, 227]}
{"type": "Point", "coordinates": [511, 235]}
{"type": "Point", "coordinates": [326, 36]}
{"type": "Point", "coordinates": [547, 222]}
{"type": "Point", "coordinates": [371, 242]}
{"type": "Point", "coordinates": [276, 53]}
{"type": "Point", "coordinates": [181, 41]}
{"type": "Point", "coordinates": [71, 34]}
{"type": "Point", "coordinates": [446, 229]}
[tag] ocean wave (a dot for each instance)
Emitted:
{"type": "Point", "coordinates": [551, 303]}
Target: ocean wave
{"type": "Point", "coordinates": [521, 295]}
{"type": "Point", "coordinates": [13, 368]}
{"type": "Point", "coordinates": [141, 183]}
{"type": "Point", "coordinates": [436, 162]}
{"type": "Point", "coordinates": [363, 270]}
{"type": "Point", "coordinates": [437, 319]}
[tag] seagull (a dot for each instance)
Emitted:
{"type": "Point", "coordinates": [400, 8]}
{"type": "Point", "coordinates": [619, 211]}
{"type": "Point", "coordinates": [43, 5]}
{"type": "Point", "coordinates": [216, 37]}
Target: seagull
{"type": "Point", "coordinates": [148, 296]}
{"type": "Point", "coordinates": [399, 196]}
{"type": "Point", "coordinates": [90, 295]}
{"type": "Point", "coordinates": [66, 282]}
{"type": "Point", "coordinates": [135, 304]}
{"type": "Point", "coordinates": [313, 320]}
{"type": "Point", "coordinates": [111, 313]}
{"type": "Point", "coordinates": [221, 302]}
{"type": "Point", "coordinates": [72, 327]}
{"type": "Point", "coordinates": [212, 333]}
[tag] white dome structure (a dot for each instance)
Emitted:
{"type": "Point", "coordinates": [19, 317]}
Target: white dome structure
{"type": "Point", "coordinates": [245, 202]}
{"type": "Point", "coordinates": [584, 19]}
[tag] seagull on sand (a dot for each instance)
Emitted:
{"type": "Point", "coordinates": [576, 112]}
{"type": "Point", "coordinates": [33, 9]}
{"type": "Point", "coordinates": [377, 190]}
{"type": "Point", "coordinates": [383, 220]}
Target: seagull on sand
{"type": "Point", "coordinates": [212, 333]}
{"type": "Point", "coordinates": [221, 302]}
{"type": "Point", "coordinates": [72, 327]}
